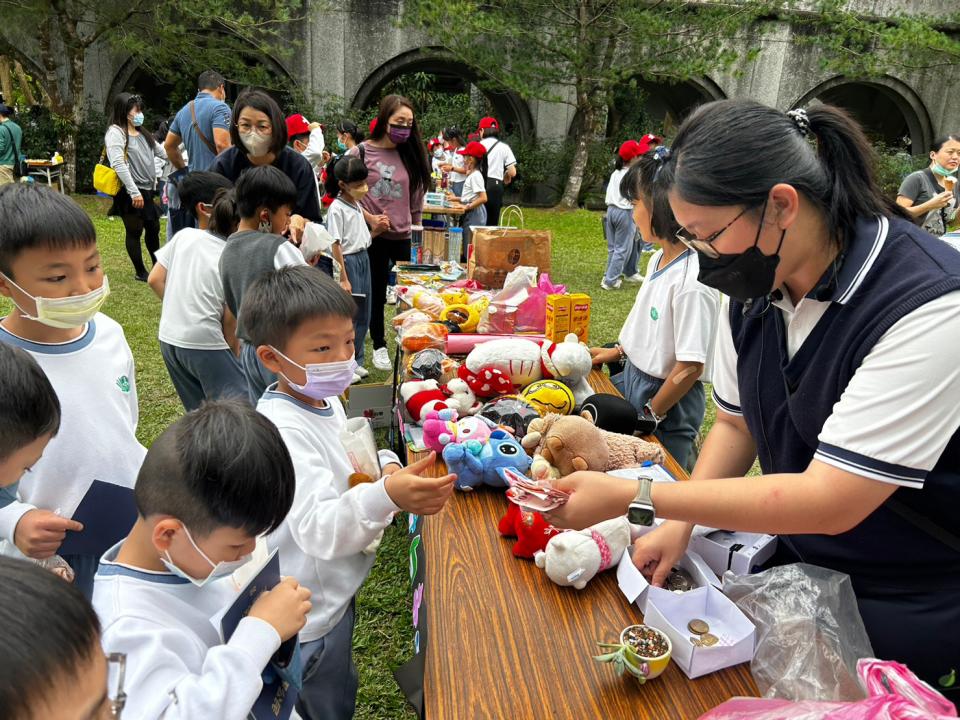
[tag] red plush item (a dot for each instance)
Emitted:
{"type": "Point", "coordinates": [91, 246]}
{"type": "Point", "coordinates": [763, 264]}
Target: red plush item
{"type": "Point", "coordinates": [487, 382]}
{"type": "Point", "coordinates": [530, 529]}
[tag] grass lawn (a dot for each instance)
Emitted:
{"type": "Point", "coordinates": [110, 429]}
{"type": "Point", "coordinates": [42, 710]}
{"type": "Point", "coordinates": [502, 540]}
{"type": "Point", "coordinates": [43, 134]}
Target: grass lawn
{"type": "Point", "coordinates": [382, 638]}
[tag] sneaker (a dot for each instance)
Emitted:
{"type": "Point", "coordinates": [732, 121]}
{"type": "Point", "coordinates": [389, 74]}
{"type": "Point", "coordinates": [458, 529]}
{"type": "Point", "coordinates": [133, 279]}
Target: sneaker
{"type": "Point", "coordinates": [362, 371]}
{"type": "Point", "coordinates": [381, 359]}
{"type": "Point", "coordinates": [605, 286]}
{"type": "Point", "coordinates": [635, 278]}
{"type": "Point", "coordinates": [391, 295]}
{"type": "Point", "coordinates": [142, 277]}
{"type": "Point", "coordinates": [356, 379]}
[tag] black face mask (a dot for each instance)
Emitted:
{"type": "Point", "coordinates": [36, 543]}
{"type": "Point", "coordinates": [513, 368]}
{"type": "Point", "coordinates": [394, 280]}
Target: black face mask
{"type": "Point", "coordinates": [743, 276]}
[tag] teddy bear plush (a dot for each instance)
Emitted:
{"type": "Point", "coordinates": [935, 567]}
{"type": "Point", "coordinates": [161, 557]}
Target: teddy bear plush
{"type": "Point", "coordinates": [570, 363]}
{"type": "Point", "coordinates": [570, 443]}
{"type": "Point", "coordinates": [530, 529]}
{"type": "Point", "coordinates": [573, 558]}
{"type": "Point", "coordinates": [420, 397]}
{"type": "Point", "coordinates": [476, 463]}
{"type": "Point", "coordinates": [460, 397]}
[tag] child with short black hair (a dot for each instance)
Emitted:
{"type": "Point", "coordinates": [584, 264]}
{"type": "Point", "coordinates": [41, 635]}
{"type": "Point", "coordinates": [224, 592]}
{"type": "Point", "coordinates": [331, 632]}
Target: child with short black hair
{"type": "Point", "coordinates": [473, 195]}
{"type": "Point", "coordinates": [210, 484]}
{"type": "Point", "coordinates": [302, 324]}
{"type": "Point", "coordinates": [53, 665]}
{"type": "Point", "coordinates": [196, 334]}
{"type": "Point", "coordinates": [347, 182]}
{"type": "Point", "coordinates": [50, 269]}
{"type": "Point", "coordinates": [264, 198]}
{"type": "Point", "coordinates": [667, 340]}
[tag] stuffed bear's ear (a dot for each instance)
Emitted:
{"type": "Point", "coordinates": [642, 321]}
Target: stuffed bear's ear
{"type": "Point", "coordinates": [587, 415]}
{"type": "Point", "coordinates": [540, 558]}
{"type": "Point", "coordinates": [579, 463]}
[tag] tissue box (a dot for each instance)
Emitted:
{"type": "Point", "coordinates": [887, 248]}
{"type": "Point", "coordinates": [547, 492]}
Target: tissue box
{"type": "Point", "coordinates": [636, 588]}
{"type": "Point", "coordinates": [739, 552]}
{"type": "Point", "coordinates": [735, 632]}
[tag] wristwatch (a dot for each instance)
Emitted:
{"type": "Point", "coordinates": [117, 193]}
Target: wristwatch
{"type": "Point", "coordinates": [657, 419]}
{"type": "Point", "coordinates": [640, 511]}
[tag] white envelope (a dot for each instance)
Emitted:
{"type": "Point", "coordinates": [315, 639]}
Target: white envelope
{"type": "Point", "coordinates": [736, 633]}
{"type": "Point", "coordinates": [637, 590]}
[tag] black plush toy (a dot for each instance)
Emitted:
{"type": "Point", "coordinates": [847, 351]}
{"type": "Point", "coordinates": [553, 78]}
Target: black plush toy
{"type": "Point", "coordinates": [615, 414]}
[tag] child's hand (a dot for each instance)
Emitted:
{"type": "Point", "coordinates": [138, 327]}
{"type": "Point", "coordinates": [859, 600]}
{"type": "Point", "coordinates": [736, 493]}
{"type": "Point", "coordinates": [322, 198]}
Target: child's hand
{"type": "Point", "coordinates": [345, 283]}
{"type": "Point", "coordinates": [40, 532]}
{"type": "Point", "coordinates": [417, 494]}
{"type": "Point", "coordinates": [285, 607]}
{"type": "Point", "coordinates": [601, 355]}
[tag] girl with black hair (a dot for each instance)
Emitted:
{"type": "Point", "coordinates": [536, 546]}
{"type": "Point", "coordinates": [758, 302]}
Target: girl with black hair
{"type": "Point", "coordinates": [835, 366]}
{"type": "Point", "coordinates": [618, 225]}
{"type": "Point", "coordinates": [399, 175]}
{"type": "Point", "coordinates": [131, 154]}
{"type": "Point", "coordinates": [931, 196]}
{"type": "Point", "coordinates": [454, 165]}
{"type": "Point", "coordinates": [666, 342]}
{"type": "Point", "coordinates": [348, 135]}
{"type": "Point", "coordinates": [347, 184]}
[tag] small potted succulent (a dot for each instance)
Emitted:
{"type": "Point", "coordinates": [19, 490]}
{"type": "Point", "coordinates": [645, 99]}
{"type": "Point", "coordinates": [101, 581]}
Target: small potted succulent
{"type": "Point", "coordinates": [642, 652]}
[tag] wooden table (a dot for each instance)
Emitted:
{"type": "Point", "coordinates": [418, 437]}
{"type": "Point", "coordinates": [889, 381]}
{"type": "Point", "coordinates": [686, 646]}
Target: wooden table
{"type": "Point", "coordinates": [506, 643]}
{"type": "Point", "coordinates": [441, 210]}
{"type": "Point", "coordinates": [46, 169]}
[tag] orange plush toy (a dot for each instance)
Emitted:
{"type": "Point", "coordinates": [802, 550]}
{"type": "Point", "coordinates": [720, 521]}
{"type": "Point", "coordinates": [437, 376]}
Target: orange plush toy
{"type": "Point", "coordinates": [530, 529]}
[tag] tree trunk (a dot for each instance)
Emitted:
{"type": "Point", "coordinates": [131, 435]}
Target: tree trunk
{"type": "Point", "coordinates": [6, 87]}
{"type": "Point", "coordinates": [25, 88]}
{"type": "Point", "coordinates": [585, 134]}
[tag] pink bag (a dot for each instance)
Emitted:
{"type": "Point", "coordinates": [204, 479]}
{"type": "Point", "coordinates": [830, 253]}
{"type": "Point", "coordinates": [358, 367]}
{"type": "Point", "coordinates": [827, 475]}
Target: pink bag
{"type": "Point", "coordinates": [894, 692]}
{"type": "Point", "coordinates": [532, 314]}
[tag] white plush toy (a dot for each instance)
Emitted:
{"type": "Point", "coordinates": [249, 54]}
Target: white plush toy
{"type": "Point", "coordinates": [574, 557]}
{"type": "Point", "coordinates": [570, 363]}
{"type": "Point", "coordinates": [461, 398]}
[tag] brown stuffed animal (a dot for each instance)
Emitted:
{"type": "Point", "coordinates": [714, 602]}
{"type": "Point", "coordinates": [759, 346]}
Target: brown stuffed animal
{"type": "Point", "coordinates": [570, 443]}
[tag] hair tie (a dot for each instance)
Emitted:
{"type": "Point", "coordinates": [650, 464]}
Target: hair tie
{"type": "Point", "coordinates": [801, 120]}
{"type": "Point", "coordinates": [662, 154]}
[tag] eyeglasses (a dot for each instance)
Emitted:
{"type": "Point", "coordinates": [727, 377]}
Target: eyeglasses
{"type": "Point", "coordinates": [260, 129]}
{"type": "Point", "coordinates": [705, 245]}
{"type": "Point", "coordinates": [116, 668]}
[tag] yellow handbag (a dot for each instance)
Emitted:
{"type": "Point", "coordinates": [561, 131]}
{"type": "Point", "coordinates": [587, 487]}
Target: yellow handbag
{"type": "Point", "coordinates": [105, 178]}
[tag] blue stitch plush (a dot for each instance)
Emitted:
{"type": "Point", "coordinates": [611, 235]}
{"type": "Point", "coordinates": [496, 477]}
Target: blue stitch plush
{"type": "Point", "coordinates": [476, 463]}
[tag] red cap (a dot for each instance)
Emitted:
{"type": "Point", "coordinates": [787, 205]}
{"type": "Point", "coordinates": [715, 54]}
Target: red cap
{"type": "Point", "coordinates": [473, 136]}
{"type": "Point", "coordinates": [488, 123]}
{"type": "Point", "coordinates": [297, 125]}
{"type": "Point", "coordinates": [373, 125]}
{"type": "Point", "coordinates": [646, 141]}
{"type": "Point", "coordinates": [473, 149]}
{"type": "Point", "coordinates": [629, 150]}
{"type": "Point", "coordinates": [433, 142]}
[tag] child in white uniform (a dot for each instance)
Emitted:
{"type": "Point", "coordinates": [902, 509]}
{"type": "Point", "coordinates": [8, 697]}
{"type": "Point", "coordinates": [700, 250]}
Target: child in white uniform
{"type": "Point", "coordinates": [474, 192]}
{"type": "Point", "coordinates": [668, 337]}
{"type": "Point", "coordinates": [301, 323]}
{"type": "Point", "coordinates": [211, 483]}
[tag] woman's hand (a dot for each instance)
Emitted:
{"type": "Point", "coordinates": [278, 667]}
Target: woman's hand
{"type": "Point", "coordinates": [593, 497]}
{"type": "Point", "coordinates": [137, 201]}
{"type": "Point", "coordinates": [658, 551]}
{"type": "Point", "coordinates": [941, 200]}
{"type": "Point", "coordinates": [601, 355]}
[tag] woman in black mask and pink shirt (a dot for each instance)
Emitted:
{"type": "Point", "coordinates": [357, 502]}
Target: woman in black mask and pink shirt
{"type": "Point", "coordinates": [398, 176]}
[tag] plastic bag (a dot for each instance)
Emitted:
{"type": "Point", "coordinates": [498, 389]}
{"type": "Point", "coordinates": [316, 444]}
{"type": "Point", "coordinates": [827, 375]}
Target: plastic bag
{"type": "Point", "coordinates": [532, 314]}
{"type": "Point", "coordinates": [423, 335]}
{"type": "Point", "coordinates": [809, 631]}
{"type": "Point", "coordinates": [895, 693]}
{"type": "Point", "coordinates": [361, 447]}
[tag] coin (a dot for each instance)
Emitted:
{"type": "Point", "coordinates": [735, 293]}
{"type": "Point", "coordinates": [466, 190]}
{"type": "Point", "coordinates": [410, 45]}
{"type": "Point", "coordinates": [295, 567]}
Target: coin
{"type": "Point", "coordinates": [709, 639]}
{"type": "Point", "coordinates": [696, 642]}
{"type": "Point", "coordinates": [679, 580]}
{"type": "Point", "coordinates": [698, 627]}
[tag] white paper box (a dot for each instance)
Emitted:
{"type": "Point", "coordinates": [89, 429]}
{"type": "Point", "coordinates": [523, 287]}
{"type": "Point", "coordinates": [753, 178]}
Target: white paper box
{"type": "Point", "coordinates": [735, 632]}
{"type": "Point", "coordinates": [715, 548]}
{"type": "Point", "coordinates": [373, 401]}
{"type": "Point", "coordinates": [637, 590]}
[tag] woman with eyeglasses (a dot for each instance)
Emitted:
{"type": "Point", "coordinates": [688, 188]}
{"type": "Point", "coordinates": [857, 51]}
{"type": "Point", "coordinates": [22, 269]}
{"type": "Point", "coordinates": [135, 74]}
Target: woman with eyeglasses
{"type": "Point", "coordinates": [131, 152]}
{"type": "Point", "coordinates": [259, 137]}
{"type": "Point", "coordinates": [836, 367]}
{"type": "Point", "coordinates": [398, 175]}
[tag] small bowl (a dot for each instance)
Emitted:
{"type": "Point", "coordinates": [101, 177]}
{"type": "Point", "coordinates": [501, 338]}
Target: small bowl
{"type": "Point", "coordinates": [655, 665]}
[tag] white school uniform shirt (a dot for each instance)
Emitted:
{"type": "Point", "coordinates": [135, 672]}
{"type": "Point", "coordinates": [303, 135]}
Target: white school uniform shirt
{"type": "Point", "coordinates": [499, 157]}
{"type": "Point", "coordinates": [177, 667]}
{"type": "Point", "coordinates": [93, 377]}
{"type": "Point", "coordinates": [472, 187]}
{"type": "Point", "coordinates": [345, 223]}
{"type": "Point", "coordinates": [899, 408]}
{"type": "Point", "coordinates": [323, 538]}
{"type": "Point", "coordinates": [456, 160]}
{"type": "Point", "coordinates": [613, 190]}
{"type": "Point", "coordinates": [192, 313]}
{"type": "Point", "coordinates": [674, 318]}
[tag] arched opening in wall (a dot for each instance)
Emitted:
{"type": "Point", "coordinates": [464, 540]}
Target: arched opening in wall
{"type": "Point", "coordinates": [890, 112]}
{"type": "Point", "coordinates": [445, 91]}
{"type": "Point", "coordinates": [642, 106]}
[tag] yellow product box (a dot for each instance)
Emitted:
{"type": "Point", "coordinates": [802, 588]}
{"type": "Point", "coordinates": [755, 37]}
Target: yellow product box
{"type": "Point", "coordinates": [558, 317]}
{"type": "Point", "coordinates": [580, 315]}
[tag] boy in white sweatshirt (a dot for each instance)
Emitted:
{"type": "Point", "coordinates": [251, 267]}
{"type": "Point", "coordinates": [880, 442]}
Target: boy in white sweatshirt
{"type": "Point", "coordinates": [210, 484]}
{"type": "Point", "coordinates": [301, 323]}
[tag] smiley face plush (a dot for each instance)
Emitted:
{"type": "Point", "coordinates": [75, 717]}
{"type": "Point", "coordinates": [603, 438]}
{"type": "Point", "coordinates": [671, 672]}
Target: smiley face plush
{"type": "Point", "coordinates": [549, 396]}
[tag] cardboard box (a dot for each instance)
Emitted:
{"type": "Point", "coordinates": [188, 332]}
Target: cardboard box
{"type": "Point", "coordinates": [580, 316]}
{"type": "Point", "coordinates": [497, 251]}
{"type": "Point", "coordinates": [740, 552]}
{"type": "Point", "coordinates": [557, 323]}
{"type": "Point", "coordinates": [373, 401]}
{"type": "Point", "coordinates": [637, 590]}
{"type": "Point", "coordinates": [736, 633]}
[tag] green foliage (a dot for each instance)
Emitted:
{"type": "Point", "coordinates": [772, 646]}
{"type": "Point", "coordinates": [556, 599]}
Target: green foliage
{"type": "Point", "coordinates": [892, 166]}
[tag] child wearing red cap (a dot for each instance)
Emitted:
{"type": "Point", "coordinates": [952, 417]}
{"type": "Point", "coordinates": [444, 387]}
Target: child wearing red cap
{"type": "Point", "coordinates": [474, 193]}
{"type": "Point", "coordinates": [307, 139]}
{"type": "Point", "coordinates": [618, 226]}
{"type": "Point", "coordinates": [501, 166]}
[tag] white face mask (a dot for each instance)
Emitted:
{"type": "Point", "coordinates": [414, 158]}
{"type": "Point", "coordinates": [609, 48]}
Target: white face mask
{"type": "Point", "coordinates": [323, 379]}
{"type": "Point", "coordinates": [64, 313]}
{"type": "Point", "coordinates": [257, 145]}
{"type": "Point", "coordinates": [220, 569]}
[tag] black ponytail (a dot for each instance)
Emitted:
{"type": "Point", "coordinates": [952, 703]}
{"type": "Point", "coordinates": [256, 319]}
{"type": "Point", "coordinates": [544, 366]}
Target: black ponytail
{"type": "Point", "coordinates": [732, 152]}
{"type": "Point", "coordinates": [225, 216]}
{"type": "Point", "coordinates": [347, 169]}
{"type": "Point", "coordinates": [646, 182]}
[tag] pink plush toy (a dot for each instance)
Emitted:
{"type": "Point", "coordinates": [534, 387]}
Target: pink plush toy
{"type": "Point", "coordinates": [440, 428]}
